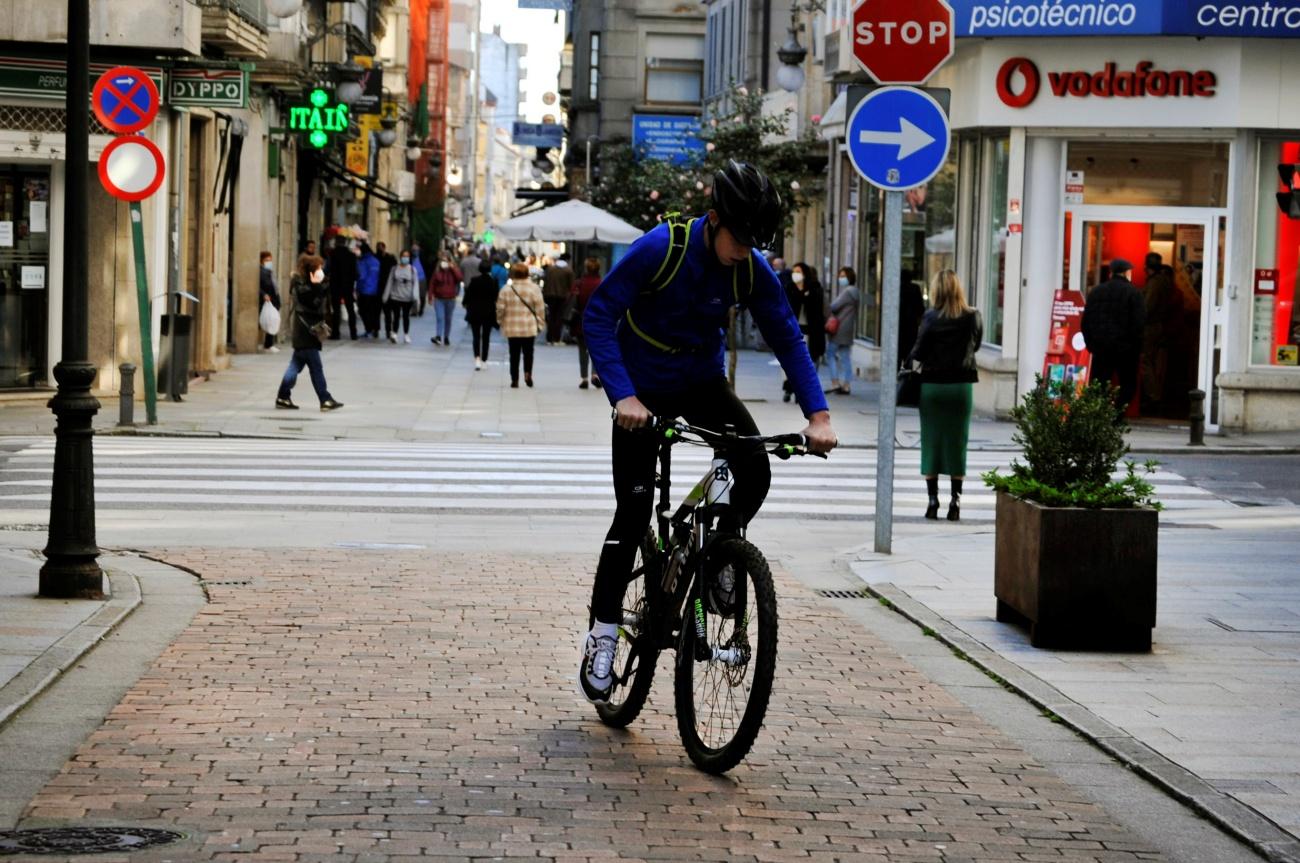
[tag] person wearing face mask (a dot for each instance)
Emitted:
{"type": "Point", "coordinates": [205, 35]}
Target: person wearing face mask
{"type": "Point", "coordinates": [268, 293]}
{"type": "Point", "coordinates": [809, 307]}
{"type": "Point", "coordinates": [444, 285]}
{"type": "Point", "coordinates": [839, 344]}
{"type": "Point", "coordinates": [311, 296]}
{"type": "Point", "coordinates": [401, 292]}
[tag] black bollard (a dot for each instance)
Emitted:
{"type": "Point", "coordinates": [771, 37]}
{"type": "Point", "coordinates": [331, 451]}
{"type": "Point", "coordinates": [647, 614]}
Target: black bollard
{"type": "Point", "coordinates": [1197, 416]}
{"type": "Point", "coordinates": [126, 397]}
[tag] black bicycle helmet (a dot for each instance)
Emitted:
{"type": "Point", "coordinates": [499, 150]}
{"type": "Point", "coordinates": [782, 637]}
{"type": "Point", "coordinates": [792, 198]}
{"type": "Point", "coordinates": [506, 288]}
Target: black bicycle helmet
{"type": "Point", "coordinates": [747, 204]}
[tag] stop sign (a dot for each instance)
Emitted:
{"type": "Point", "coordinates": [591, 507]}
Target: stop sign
{"type": "Point", "coordinates": [902, 41]}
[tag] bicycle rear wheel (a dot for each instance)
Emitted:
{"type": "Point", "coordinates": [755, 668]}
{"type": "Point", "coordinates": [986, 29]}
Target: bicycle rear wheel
{"type": "Point", "coordinates": [722, 699]}
{"type": "Point", "coordinates": [637, 653]}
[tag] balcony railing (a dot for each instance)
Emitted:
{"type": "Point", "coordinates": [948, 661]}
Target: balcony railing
{"type": "Point", "coordinates": [238, 27]}
{"type": "Point", "coordinates": [252, 11]}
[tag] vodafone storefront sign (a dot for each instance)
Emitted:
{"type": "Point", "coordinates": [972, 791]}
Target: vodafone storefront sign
{"type": "Point", "coordinates": [1019, 82]}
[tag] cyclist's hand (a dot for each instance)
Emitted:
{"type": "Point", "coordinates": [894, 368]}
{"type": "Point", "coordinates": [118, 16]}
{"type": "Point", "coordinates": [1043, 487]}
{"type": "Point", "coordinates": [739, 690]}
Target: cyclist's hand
{"type": "Point", "coordinates": [821, 437]}
{"type": "Point", "coordinates": [630, 414]}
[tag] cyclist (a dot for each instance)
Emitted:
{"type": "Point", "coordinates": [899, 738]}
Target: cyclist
{"type": "Point", "coordinates": [655, 330]}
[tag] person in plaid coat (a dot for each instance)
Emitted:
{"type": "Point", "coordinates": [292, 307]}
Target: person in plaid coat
{"type": "Point", "coordinates": [521, 312]}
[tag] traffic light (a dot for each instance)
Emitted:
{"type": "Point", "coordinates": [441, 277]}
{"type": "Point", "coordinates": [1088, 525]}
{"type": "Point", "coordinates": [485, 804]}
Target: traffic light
{"type": "Point", "coordinates": [1289, 200]}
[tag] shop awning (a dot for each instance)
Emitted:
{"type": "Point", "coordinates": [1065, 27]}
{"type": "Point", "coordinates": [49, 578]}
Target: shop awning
{"type": "Point", "coordinates": [358, 181]}
{"type": "Point", "coordinates": [832, 124]}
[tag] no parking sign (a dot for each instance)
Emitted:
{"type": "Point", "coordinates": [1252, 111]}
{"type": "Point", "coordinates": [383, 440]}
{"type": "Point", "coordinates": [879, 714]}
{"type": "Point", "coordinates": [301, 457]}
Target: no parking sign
{"type": "Point", "coordinates": [125, 100]}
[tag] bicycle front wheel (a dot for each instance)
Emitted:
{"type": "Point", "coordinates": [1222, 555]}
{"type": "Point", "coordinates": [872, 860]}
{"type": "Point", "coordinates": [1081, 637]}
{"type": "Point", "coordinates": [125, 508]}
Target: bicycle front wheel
{"type": "Point", "coordinates": [637, 653]}
{"type": "Point", "coordinates": [724, 681]}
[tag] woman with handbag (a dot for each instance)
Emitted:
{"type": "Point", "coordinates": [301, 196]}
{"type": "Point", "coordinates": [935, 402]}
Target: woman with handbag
{"type": "Point", "coordinates": [841, 325]}
{"type": "Point", "coordinates": [310, 291]}
{"type": "Point", "coordinates": [804, 293]}
{"type": "Point", "coordinates": [521, 311]}
{"type": "Point", "coordinates": [951, 333]}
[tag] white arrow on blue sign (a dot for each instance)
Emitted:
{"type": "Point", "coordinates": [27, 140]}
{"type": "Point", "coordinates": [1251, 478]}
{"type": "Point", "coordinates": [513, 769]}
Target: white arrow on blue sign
{"type": "Point", "coordinates": [898, 138]}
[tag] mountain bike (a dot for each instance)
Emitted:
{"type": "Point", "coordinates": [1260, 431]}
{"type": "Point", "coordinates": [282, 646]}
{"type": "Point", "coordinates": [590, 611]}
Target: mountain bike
{"type": "Point", "coordinates": [708, 594]}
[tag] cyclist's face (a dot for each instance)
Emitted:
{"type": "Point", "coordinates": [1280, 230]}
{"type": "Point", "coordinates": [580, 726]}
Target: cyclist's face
{"type": "Point", "coordinates": [728, 249]}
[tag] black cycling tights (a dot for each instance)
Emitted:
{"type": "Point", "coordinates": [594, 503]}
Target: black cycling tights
{"type": "Point", "coordinates": [710, 405]}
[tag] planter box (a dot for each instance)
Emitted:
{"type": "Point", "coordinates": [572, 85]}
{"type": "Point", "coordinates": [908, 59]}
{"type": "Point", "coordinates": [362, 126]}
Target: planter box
{"type": "Point", "coordinates": [1080, 578]}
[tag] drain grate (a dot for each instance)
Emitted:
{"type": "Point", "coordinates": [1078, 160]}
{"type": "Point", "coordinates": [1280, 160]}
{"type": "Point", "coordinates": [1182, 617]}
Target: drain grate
{"type": "Point", "coordinates": [227, 583]}
{"type": "Point", "coordinates": [29, 528]}
{"type": "Point", "coordinates": [843, 594]}
{"type": "Point", "coordinates": [83, 840]}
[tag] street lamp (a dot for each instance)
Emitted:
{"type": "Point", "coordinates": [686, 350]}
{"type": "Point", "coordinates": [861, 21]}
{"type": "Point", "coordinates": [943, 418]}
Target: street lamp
{"type": "Point", "coordinates": [283, 8]}
{"type": "Point", "coordinates": [790, 75]}
{"type": "Point", "coordinates": [349, 89]}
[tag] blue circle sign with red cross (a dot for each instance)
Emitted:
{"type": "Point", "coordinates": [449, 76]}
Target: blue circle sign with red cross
{"type": "Point", "coordinates": [125, 100]}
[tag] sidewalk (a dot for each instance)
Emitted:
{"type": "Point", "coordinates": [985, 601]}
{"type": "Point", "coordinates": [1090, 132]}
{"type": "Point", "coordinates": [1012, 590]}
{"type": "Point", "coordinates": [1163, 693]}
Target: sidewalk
{"type": "Point", "coordinates": [1210, 713]}
{"type": "Point", "coordinates": [421, 392]}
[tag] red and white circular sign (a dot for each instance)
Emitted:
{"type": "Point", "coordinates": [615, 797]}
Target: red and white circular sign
{"type": "Point", "coordinates": [131, 168]}
{"type": "Point", "coordinates": [902, 41]}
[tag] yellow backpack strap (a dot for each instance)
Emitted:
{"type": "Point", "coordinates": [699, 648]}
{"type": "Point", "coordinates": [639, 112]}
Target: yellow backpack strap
{"type": "Point", "coordinates": [735, 283]}
{"type": "Point", "coordinates": [651, 340]}
{"type": "Point", "coordinates": [679, 235]}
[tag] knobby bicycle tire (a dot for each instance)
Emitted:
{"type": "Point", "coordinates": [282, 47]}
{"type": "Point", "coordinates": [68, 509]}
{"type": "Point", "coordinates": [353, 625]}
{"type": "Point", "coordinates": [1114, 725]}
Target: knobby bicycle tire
{"type": "Point", "coordinates": [631, 696]}
{"type": "Point", "coordinates": [760, 599]}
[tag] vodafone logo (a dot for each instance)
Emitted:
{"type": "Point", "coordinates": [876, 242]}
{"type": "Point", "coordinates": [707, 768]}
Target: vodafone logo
{"type": "Point", "coordinates": [1019, 83]}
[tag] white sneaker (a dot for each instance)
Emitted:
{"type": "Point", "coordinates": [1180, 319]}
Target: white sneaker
{"type": "Point", "coordinates": [596, 674]}
{"type": "Point", "coordinates": [392, 338]}
{"type": "Point", "coordinates": [478, 364]}
{"type": "Point", "coordinates": [273, 349]}
{"type": "Point", "coordinates": [406, 339]}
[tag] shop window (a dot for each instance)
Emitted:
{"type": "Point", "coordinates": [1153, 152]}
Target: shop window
{"type": "Point", "coordinates": [593, 68]}
{"type": "Point", "coordinates": [24, 275]}
{"type": "Point", "coordinates": [988, 292]}
{"type": "Point", "coordinates": [1275, 328]}
{"type": "Point", "coordinates": [1150, 174]}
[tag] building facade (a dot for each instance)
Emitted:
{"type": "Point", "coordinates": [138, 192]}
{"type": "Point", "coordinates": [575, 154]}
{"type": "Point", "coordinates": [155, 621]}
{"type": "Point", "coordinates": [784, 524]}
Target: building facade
{"type": "Point", "coordinates": [1070, 149]}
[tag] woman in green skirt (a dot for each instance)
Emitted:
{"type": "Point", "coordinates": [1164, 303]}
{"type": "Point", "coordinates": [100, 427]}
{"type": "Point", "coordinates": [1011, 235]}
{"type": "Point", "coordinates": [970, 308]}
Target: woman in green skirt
{"type": "Point", "coordinates": [951, 333]}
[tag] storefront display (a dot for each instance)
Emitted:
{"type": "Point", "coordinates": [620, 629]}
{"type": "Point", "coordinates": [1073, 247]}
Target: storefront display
{"type": "Point", "coordinates": [24, 263]}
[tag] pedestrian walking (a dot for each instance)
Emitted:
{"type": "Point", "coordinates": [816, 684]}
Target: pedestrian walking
{"type": "Point", "coordinates": [951, 333]}
{"type": "Point", "coordinates": [387, 261]}
{"type": "Point", "coordinates": [583, 288]}
{"type": "Point", "coordinates": [809, 305]}
{"type": "Point", "coordinates": [311, 293]}
{"type": "Point", "coordinates": [469, 266]}
{"type": "Point", "coordinates": [481, 311]}
{"type": "Point", "coordinates": [268, 319]}
{"type": "Point", "coordinates": [423, 264]}
{"type": "Point", "coordinates": [342, 280]}
{"type": "Point", "coordinates": [557, 288]}
{"type": "Point", "coordinates": [911, 308]}
{"type": "Point", "coordinates": [1114, 319]}
{"type": "Point", "coordinates": [521, 311]}
{"type": "Point", "coordinates": [401, 293]}
{"type": "Point", "coordinates": [840, 335]}
{"type": "Point", "coordinates": [444, 286]}
{"type": "Point", "coordinates": [499, 270]}
{"type": "Point", "coordinates": [369, 291]}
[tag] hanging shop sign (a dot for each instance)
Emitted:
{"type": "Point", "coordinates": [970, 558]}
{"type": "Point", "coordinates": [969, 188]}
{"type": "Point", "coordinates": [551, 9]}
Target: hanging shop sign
{"type": "Point", "coordinates": [1272, 19]}
{"type": "Point", "coordinates": [319, 118]}
{"type": "Point", "coordinates": [536, 134]}
{"type": "Point", "coordinates": [46, 80]}
{"type": "Point", "coordinates": [359, 151]}
{"type": "Point", "coordinates": [208, 88]}
{"type": "Point", "coordinates": [1020, 82]}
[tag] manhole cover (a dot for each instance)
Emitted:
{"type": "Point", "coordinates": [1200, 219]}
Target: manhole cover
{"type": "Point", "coordinates": [83, 840]}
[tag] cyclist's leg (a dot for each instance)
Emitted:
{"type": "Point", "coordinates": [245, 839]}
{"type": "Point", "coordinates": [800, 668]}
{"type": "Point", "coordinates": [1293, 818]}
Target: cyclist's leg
{"type": "Point", "coordinates": [633, 457]}
{"type": "Point", "coordinates": [713, 405]}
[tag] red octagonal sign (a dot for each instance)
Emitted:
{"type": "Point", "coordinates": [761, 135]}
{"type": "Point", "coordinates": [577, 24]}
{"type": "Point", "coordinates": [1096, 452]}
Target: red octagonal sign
{"type": "Point", "coordinates": [902, 41]}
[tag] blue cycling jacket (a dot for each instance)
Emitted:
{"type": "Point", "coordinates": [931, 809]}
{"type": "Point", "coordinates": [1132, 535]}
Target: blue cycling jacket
{"type": "Point", "coordinates": [690, 313]}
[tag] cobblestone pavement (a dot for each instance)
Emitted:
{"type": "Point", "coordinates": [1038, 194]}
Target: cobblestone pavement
{"type": "Point", "coordinates": [384, 705]}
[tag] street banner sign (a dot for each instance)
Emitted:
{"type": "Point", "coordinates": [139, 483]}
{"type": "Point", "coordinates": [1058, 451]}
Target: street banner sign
{"type": "Point", "coordinates": [902, 41]}
{"type": "Point", "coordinates": [125, 100]}
{"type": "Point", "coordinates": [897, 138]}
{"type": "Point", "coordinates": [131, 168]}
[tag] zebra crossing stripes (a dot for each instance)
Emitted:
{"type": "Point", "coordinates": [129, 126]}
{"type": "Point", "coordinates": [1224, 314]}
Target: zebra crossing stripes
{"type": "Point", "coordinates": [223, 474]}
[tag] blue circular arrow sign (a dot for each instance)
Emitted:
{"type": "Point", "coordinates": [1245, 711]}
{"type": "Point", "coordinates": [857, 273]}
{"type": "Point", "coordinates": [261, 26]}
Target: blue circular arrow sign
{"type": "Point", "coordinates": [898, 138]}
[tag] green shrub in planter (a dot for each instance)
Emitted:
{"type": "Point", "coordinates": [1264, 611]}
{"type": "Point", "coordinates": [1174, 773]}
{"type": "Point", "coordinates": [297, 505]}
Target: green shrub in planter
{"type": "Point", "coordinates": [1072, 446]}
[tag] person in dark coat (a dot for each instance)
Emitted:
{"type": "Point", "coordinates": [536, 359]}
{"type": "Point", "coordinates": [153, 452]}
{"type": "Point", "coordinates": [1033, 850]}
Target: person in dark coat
{"type": "Point", "coordinates": [387, 261]}
{"type": "Point", "coordinates": [911, 308]}
{"type": "Point", "coordinates": [808, 302]}
{"type": "Point", "coordinates": [268, 293]}
{"type": "Point", "coordinates": [310, 290]}
{"type": "Point", "coordinates": [1114, 320]}
{"type": "Point", "coordinates": [342, 280]}
{"type": "Point", "coordinates": [583, 288]}
{"type": "Point", "coordinates": [480, 304]}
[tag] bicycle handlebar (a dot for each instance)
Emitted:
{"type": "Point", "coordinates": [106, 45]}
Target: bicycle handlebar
{"type": "Point", "coordinates": [784, 445]}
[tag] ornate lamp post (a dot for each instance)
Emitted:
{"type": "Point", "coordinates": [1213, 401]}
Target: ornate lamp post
{"type": "Point", "coordinates": [71, 569]}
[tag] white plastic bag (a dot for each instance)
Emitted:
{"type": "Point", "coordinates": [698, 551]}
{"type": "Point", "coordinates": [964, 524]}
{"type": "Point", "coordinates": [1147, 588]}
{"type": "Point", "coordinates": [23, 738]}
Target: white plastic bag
{"type": "Point", "coordinates": [269, 319]}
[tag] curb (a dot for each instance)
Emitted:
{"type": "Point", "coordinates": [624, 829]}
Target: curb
{"type": "Point", "coordinates": [1236, 818]}
{"type": "Point", "coordinates": [60, 656]}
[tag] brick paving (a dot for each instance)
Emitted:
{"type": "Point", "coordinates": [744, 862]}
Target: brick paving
{"type": "Point", "coordinates": [376, 706]}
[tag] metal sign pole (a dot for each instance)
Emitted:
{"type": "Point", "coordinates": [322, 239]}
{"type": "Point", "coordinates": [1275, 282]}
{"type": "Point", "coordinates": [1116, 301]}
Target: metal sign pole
{"type": "Point", "coordinates": [146, 320]}
{"type": "Point", "coordinates": [888, 373]}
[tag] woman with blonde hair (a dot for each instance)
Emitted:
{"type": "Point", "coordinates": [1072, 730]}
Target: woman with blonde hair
{"type": "Point", "coordinates": [951, 333]}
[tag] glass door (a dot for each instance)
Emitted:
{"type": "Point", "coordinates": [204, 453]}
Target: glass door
{"type": "Point", "coordinates": [24, 275]}
{"type": "Point", "coordinates": [1176, 258]}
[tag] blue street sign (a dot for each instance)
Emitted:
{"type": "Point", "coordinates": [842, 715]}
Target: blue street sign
{"type": "Point", "coordinates": [897, 138]}
{"type": "Point", "coordinates": [124, 99]}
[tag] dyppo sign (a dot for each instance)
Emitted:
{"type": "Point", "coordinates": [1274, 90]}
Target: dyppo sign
{"type": "Point", "coordinates": [215, 88]}
{"type": "Point", "coordinates": [902, 41]}
{"type": "Point", "coordinates": [1020, 81]}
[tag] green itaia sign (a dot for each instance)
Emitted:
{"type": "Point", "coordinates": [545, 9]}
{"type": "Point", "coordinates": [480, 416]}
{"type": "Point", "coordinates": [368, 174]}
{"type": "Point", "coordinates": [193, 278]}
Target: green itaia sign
{"type": "Point", "coordinates": [318, 119]}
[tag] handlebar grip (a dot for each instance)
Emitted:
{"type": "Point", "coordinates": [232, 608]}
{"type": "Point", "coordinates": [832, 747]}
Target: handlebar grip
{"type": "Point", "coordinates": [789, 440]}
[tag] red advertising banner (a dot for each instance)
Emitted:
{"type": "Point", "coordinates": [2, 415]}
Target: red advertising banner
{"type": "Point", "coordinates": [1067, 360]}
